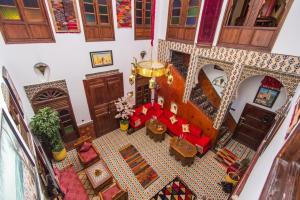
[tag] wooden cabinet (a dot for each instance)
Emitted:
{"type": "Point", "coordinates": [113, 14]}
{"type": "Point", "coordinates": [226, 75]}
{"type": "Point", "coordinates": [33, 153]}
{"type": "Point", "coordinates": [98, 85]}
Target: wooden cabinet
{"type": "Point", "coordinates": [101, 92]}
{"type": "Point", "coordinates": [58, 100]}
{"type": "Point", "coordinates": [142, 15]}
{"type": "Point", "coordinates": [182, 20]}
{"type": "Point", "coordinates": [24, 21]}
{"type": "Point", "coordinates": [142, 90]}
{"type": "Point", "coordinates": [253, 24]}
{"type": "Point", "coordinates": [97, 20]}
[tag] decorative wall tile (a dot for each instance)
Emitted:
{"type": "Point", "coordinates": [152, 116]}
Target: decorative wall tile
{"type": "Point", "coordinates": [238, 65]}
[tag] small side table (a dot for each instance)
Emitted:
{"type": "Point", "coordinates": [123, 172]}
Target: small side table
{"type": "Point", "coordinates": [183, 151]}
{"type": "Point", "coordinates": [156, 130]}
{"type": "Point", "coordinates": [101, 181]}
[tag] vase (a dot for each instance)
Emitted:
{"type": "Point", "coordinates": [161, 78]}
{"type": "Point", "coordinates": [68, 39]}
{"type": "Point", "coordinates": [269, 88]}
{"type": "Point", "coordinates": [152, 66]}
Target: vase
{"type": "Point", "coordinates": [124, 124]}
{"type": "Point", "coordinates": [58, 156]}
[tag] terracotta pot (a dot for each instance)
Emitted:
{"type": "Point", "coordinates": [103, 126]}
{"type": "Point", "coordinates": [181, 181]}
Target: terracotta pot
{"type": "Point", "coordinates": [58, 156]}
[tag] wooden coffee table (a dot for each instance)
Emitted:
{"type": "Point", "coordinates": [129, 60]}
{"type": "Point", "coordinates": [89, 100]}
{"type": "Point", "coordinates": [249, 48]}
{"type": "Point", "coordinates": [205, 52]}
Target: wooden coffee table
{"type": "Point", "coordinates": [156, 130]}
{"type": "Point", "coordinates": [102, 180]}
{"type": "Point", "coordinates": [183, 151]}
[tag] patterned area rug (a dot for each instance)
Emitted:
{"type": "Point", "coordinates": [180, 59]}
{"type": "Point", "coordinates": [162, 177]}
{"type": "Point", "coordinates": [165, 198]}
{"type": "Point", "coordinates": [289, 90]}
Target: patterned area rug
{"type": "Point", "coordinates": [176, 189]}
{"type": "Point", "coordinates": [139, 166]}
{"type": "Point", "coordinates": [240, 150]}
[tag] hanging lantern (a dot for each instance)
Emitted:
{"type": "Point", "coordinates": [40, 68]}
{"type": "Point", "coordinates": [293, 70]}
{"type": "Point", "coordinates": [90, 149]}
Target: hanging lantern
{"type": "Point", "coordinates": [152, 83]}
{"type": "Point", "coordinates": [131, 79]}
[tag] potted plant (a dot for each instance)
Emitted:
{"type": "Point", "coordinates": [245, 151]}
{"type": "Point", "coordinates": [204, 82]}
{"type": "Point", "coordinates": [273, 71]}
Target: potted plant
{"type": "Point", "coordinates": [45, 125]}
{"type": "Point", "coordinates": [124, 109]}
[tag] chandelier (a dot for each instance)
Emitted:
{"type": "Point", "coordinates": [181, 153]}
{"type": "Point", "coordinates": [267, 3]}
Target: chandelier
{"type": "Point", "coordinates": [150, 68]}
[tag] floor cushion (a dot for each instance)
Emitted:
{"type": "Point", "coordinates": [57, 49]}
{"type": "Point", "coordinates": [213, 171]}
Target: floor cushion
{"type": "Point", "coordinates": [88, 155]}
{"type": "Point", "coordinates": [110, 192]}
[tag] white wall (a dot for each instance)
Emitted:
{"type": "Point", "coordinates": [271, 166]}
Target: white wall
{"type": "Point", "coordinates": [261, 170]}
{"type": "Point", "coordinates": [212, 74]}
{"type": "Point", "coordinates": [246, 94]}
{"type": "Point", "coordinates": [69, 59]}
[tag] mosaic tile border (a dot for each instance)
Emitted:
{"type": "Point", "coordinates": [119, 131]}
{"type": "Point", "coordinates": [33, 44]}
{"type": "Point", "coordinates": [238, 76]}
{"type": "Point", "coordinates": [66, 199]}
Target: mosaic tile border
{"type": "Point", "coordinates": [244, 64]}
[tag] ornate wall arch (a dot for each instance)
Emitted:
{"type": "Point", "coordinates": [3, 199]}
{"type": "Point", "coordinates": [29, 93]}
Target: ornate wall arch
{"type": "Point", "coordinates": [289, 81]}
{"type": "Point", "coordinates": [283, 67]}
{"type": "Point", "coordinates": [202, 62]}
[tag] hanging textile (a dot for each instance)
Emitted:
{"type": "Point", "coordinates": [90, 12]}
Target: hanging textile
{"type": "Point", "coordinates": [209, 20]}
{"type": "Point", "coordinates": [124, 13]}
{"type": "Point", "coordinates": [271, 83]}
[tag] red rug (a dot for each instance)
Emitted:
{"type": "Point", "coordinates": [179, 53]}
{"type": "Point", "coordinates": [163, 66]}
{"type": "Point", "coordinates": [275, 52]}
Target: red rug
{"type": "Point", "coordinates": [176, 189]}
{"type": "Point", "coordinates": [141, 169]}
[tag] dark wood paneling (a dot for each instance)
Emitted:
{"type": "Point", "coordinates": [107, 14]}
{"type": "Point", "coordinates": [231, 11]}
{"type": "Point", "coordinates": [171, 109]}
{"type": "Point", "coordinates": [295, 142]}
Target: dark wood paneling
{"type": "Point", "coordinates": [98, 31]}
{"type": "Point", "coordinates": [253, 126]}
{"type": "Point", "coordinates": [32, 27]}
{"type": "Point", "coordinates": [250, 36]}
{"type": "Point", "coordinates": [101, 92]}
{"type": "Point", "coordinates": [181, 31]}
{"type": "Point", "coordinates": [189, 111]}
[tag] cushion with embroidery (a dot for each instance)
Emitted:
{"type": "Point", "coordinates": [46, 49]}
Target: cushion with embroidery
{"type": "Point", "coordinates": [185, 128]}
{"type": "Point", "coordinates": [144, 110]}
{"type": "Point", "coordinates": [85, 147]}
{"type": "Point", "coordinates": [173, 119]}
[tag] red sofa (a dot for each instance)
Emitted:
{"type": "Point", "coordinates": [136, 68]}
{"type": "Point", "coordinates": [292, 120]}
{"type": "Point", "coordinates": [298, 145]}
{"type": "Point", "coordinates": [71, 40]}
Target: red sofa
{"type": "Point", "coordinates": [194, 135]}
{"type": "Point", "coordinates": [70, 184]}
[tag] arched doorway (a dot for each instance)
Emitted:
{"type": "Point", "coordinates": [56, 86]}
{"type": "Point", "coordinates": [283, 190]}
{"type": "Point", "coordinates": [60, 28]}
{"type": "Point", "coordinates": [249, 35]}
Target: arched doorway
{"type": "Point", "coordinates": [210, 81]}
{"type": "Point", "coordinates": [58, 100]}
{"type": "Point", "coordinates": [254, 108]}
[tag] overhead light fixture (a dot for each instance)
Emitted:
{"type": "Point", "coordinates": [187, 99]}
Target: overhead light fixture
{"type": "Point", "coordinates": [150, 68]}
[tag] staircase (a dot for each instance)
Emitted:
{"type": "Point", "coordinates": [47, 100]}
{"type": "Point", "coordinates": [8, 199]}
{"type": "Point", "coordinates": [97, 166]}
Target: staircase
{"type": "Point", "coordinates": [178, 62]}
{"type": "Point", "coordinates": [201, 100]}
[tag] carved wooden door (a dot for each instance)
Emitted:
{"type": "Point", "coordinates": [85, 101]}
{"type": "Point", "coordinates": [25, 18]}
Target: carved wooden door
{"type": "Point", "coordinates": [101, 92]}
{"type": "Point", "coordinates": [253, 126]}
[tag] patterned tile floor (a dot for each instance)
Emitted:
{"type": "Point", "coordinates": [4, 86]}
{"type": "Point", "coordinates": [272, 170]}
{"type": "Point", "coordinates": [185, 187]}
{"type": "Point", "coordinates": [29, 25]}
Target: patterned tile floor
{"type": "Point", "coordinates": [202, 177]}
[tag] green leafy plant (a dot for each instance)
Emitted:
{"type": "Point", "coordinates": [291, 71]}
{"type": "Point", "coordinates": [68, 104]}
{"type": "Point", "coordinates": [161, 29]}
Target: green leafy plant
{"type": "Point", "coordinates": [45, 125]}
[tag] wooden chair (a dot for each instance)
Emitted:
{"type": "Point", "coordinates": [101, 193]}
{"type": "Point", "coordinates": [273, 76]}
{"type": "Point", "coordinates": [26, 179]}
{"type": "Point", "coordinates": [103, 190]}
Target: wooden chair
{"type": "Point", "coordinates": [89, 157]}
{"type": "Point", "coordinates": [114, 192]}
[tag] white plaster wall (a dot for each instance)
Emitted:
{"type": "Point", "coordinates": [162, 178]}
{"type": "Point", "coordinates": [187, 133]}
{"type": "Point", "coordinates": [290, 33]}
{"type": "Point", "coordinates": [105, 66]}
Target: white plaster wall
{"type": "Point", "coordinates": [288, 39]}
{"type": "Point", "coordinates": [212, 74]}
{"type": "Point", "coordinates": [69, 59]}
{"type": "Point", "coordinates": [246, 94]}
{"type": "Point", "coordinates": [261, 170]}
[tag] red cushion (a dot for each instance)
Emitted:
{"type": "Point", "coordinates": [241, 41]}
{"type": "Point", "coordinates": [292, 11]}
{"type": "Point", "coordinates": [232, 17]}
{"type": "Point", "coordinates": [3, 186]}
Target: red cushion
{"type": "Point", "coordinates": [138, 110]}
{"type": "Point", "coordinates": [194, 130]}
{"type": "Point", "coordinates": [156, 106]}
{"type": "Point", "coordinates": [147, 105]}
{"type": "Point", "coordinates": [85, 147]}
{"type": "Point", "coordinates": [110, 192]}
{"type": "Point", "coordinates": [70, 182]}
{"type": "Point", "coordinates": [89, 155]}
{"type": "Point", "coordinates": [168, 114]}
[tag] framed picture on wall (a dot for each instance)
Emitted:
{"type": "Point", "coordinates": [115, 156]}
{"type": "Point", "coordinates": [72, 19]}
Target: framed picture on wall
{"type": "Point", "coordinates": [266, 96]}
{"type": "Point", "coordinates": [101, 58]}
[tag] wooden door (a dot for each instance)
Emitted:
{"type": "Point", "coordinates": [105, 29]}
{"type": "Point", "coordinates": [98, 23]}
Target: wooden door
{"type": "Point", "coordinates": [253, 126]}
{"type": "Point", "coordinates": [101, 92]}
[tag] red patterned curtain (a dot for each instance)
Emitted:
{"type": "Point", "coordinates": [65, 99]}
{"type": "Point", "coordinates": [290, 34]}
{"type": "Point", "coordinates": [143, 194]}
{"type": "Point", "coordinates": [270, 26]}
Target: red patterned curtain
{"type": "Point", "coordinates": [272, 83]}
{"type": "Point", "coordinates": [209, 20]}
